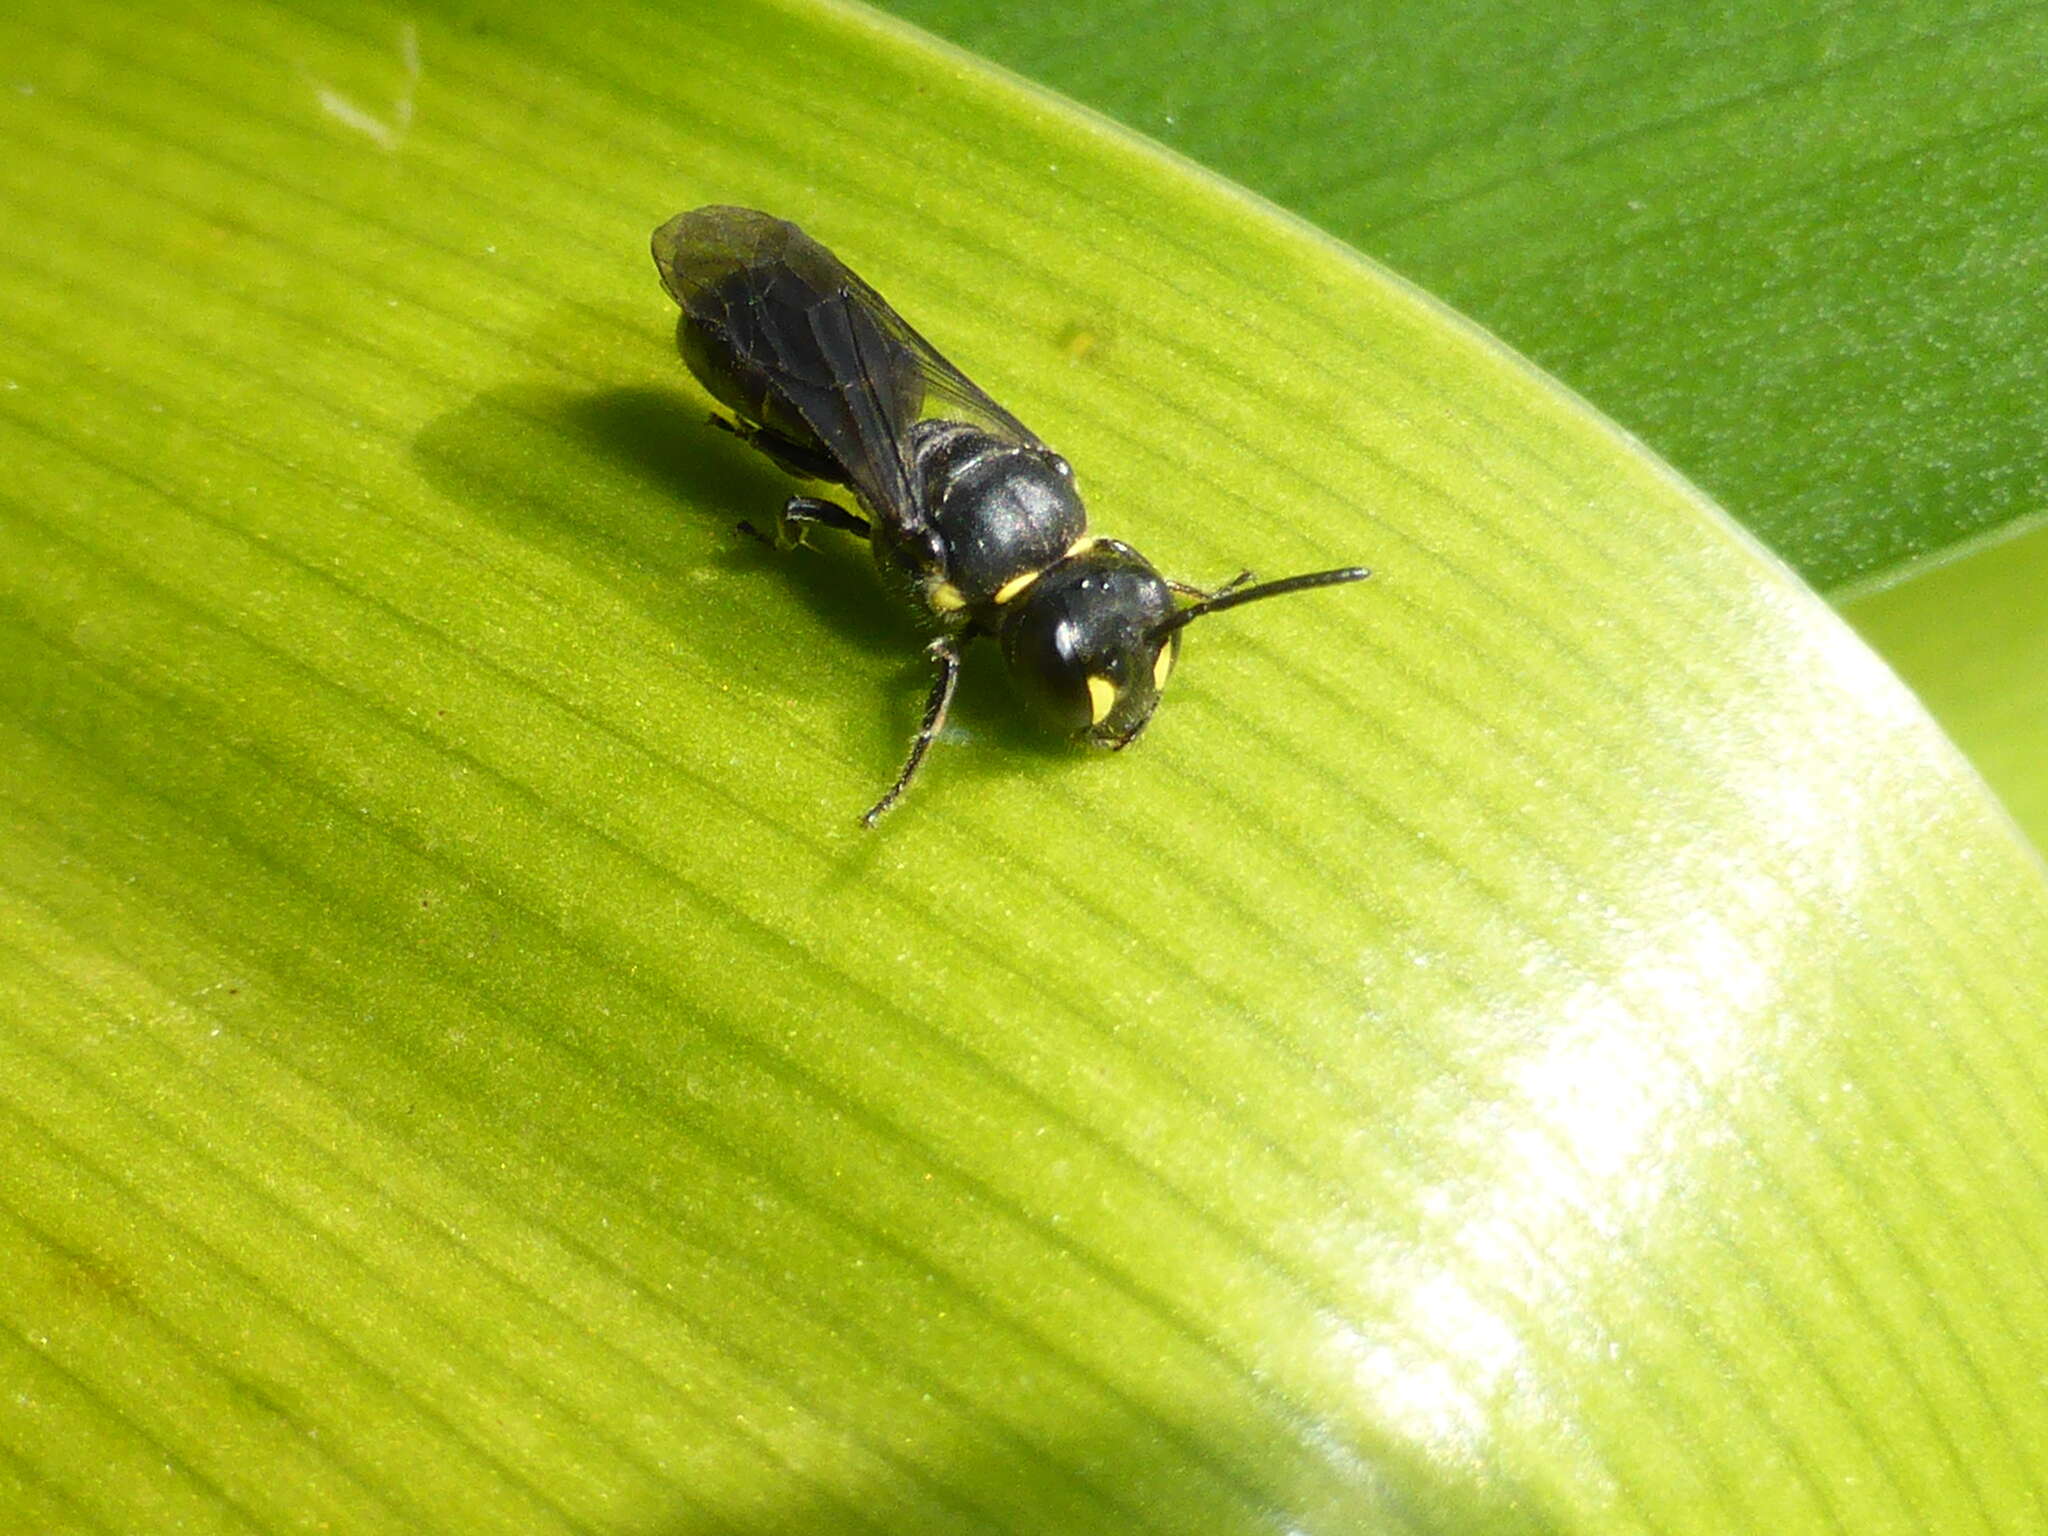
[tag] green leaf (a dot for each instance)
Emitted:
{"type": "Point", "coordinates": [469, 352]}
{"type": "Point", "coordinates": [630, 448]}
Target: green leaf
{"type": "Point", "coordinates": [1970, 635]}
{"type": "Point", "coordinates": [1794, 248]}
{"type": "Point", "coordinates": [1546, 1040]}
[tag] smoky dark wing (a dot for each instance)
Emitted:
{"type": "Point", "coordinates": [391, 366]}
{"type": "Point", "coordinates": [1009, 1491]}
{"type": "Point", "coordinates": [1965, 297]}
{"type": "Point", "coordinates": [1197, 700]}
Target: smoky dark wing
{"type": "Point", "coordinates": [793, 341]}
{"type": "Point", "coordinates": [798, 343]}
{"type": "Point", "coordinates": [948, 393]}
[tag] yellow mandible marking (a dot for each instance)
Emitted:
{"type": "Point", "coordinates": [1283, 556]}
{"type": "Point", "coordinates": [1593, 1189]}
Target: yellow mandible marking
{"type": "Point", "coordinates": [1014, 585]}
{"type": "Point", "coordinates": [1101, 699]}
{"type": "Point", "coordinates": [1162, 665]}
{"type": "Point", "coordinates": [946, 598]}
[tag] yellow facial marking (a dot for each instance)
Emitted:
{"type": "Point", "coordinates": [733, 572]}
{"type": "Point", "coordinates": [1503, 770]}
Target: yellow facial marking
{"type": "Point", "coordinates": [1101, 699]}
{"type": "Point", "coordinates": [1162, 665]}
{"type": "Point", "coordinates": [1014, 585]}
{"type": "Point", "coordinates": [946, 598]}
{"type": "Point", "coordinates": [1081, 546]}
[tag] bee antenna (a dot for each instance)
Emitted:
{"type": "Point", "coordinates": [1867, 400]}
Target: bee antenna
{"type": "Point", "coordinates": [1230, 597]}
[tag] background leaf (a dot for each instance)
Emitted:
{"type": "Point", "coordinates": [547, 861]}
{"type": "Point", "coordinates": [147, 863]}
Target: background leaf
{"type": "Point", "coordinates": [1970, 636]}
{"type": "Point", "coordinates": [1795, 248]}
{"type": "Point", "coordinates": [1547, 1040]}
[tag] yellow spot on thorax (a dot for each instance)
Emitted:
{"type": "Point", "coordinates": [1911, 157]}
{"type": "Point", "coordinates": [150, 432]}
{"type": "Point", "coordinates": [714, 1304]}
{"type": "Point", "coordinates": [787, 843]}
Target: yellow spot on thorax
{"type": "Point", "coordinates": [946, 598]}
{"type": "Point", "coordinates": [1162, 664]}
{"type": "Point", "coordinates": [1016, 584]}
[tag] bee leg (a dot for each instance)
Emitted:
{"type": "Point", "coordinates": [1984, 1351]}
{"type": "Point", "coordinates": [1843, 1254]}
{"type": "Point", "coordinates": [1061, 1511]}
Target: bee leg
{"type": "Point", "coordinates": [1201, 595]}
{"type": "Point", "coordinates": [946, 652]}
{"type": "Point", "coordinates": [806, 461]}
{"type": "Point", "coordinates": [800, 512]}
{"type": "Point", "coordinates": [825, 514]}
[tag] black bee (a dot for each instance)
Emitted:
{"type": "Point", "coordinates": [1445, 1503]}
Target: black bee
{"type": "Point", "coordinates": [966, 510]}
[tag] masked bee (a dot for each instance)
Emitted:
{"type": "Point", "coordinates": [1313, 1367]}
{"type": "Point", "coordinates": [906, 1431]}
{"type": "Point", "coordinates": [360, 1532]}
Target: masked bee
{"type": "Point", "coordinates": [967, 512]}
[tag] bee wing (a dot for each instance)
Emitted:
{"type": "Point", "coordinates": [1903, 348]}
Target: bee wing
{"type": "Point", "coordinates": [809, 350]}
{"type": "Point", "coordinates": [797, 344]}
{"type": "Point", "coordinates": [948, 393]}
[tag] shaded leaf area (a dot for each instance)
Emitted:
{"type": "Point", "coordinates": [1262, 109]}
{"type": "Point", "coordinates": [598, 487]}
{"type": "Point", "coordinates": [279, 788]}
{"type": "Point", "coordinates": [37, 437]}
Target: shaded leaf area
{"type": "Point", "coordinates": [1796, 249]}
{"type": "Point", "coordinates": [1546, 1041]}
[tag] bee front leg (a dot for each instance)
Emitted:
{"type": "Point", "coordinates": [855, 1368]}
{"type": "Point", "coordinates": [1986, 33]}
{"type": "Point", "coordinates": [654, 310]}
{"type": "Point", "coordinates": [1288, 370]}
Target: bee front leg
{"type": "Point", "coordinates": [946, 652]}
{"type": "Point", "coordinates": [1200, 594]}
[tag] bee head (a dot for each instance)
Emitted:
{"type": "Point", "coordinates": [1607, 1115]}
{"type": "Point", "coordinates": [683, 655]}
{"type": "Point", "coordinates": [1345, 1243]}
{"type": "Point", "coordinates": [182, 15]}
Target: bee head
{"type": "Point", "coordinates": [1092, 640]}
{"type": "Point", "coordinates": [1085, 642]}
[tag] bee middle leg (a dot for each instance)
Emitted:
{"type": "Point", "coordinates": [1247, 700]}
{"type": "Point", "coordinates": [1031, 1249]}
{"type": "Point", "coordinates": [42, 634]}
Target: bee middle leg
{"type": "Point", "coordinates": [801, 512]}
